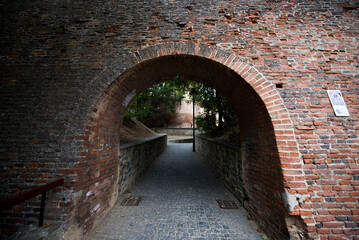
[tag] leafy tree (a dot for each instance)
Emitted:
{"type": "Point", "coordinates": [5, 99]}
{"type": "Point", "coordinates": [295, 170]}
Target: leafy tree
{"type": "Point", "coordinates": [164, 96]}
{"type": "Point", "coordinates": [155, 99]}
{"type": "Point", "coordinates": [216, 109]}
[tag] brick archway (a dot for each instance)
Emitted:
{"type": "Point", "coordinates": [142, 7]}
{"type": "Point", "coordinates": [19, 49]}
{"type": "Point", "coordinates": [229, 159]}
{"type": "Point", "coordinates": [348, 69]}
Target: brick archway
{"type": "Point", "coordinates": [275, 171]}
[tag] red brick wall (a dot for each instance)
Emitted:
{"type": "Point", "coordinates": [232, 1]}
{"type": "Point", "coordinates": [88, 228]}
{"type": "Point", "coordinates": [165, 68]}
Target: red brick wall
{"type": "Point", "coordinates": [67, 68]}
{"type": "Point", "coordinates": [263, 170]}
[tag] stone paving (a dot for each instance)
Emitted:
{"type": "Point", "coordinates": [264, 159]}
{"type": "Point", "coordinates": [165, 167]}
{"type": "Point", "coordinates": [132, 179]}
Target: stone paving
{"type": "Point", "coordinates": [178, 202]}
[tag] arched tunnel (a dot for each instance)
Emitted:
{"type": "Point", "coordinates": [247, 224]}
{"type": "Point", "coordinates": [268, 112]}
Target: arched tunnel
{"type": "Point", "coordinates": [263, 176]}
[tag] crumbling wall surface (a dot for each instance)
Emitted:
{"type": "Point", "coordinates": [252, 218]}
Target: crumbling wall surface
{"type": "Point", "coordinates": [59, 60]}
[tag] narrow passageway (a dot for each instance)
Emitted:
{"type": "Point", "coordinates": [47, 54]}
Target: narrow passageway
{"type": "Point", "coordinates": [178, 202]}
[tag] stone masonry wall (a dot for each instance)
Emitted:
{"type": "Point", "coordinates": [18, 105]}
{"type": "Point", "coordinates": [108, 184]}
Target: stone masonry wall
{"type": "Point", "coordinates": [66, 78]}
{"type": "Point", "coordinates": [136, 157]}
{"type": "Point", "coordinates": [231, 166]}
{"type": "Point", "coordinates": [225, 161]}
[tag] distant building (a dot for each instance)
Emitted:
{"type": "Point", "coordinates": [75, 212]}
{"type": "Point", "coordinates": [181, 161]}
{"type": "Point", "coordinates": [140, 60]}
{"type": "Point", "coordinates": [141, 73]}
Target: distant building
{"type": "Point", "coordinates": [182, 118]}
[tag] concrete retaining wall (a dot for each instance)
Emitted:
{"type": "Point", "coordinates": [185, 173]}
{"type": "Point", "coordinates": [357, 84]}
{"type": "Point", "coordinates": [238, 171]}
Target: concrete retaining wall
{"type": "Point", "coordinates": [136, 157]}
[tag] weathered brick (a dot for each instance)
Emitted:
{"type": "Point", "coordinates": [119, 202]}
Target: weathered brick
{"type": "Point", "coordinates": [333, 224]}
{"type": "Point", "coordinates": [67, 68]}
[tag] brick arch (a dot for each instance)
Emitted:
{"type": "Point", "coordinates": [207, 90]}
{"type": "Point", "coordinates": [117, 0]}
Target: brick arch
{"type": "Point", "coordinates": [267, 131]}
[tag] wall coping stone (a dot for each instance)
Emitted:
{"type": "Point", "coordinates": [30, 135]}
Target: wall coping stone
{"type": "Point", "coordinates": [140, 142]}
{"type": "Point", "coordinates": [219, 142]}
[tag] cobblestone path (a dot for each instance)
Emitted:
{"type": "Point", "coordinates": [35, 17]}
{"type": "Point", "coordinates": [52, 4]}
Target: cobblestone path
{"type": "Point", "coordinates": [178, 202]}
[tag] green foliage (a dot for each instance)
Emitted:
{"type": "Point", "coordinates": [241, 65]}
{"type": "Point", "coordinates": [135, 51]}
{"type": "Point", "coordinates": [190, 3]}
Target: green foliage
{"type": "Point", "coordinates": [216, 109]}
{"type": "Point", "coordinates": [164, 96]}
{"type": "Point", "coordinates": [155, 99]}
{"type": "Point", "coordinates": [206, 122]}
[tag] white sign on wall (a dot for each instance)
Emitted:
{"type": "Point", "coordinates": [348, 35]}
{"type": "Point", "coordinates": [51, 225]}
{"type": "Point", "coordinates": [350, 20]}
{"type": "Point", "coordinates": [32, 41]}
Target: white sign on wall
{"type": "Point", "coordinates": [338, 104]}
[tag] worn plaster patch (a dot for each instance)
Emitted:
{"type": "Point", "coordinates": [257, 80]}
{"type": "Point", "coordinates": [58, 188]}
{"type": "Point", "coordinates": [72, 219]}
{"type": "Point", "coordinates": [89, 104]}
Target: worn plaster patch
{"type": "Point", "coordinates": [128, 98]}
{"type": "Point", "coordinates": [291, 201]}
{"type": "Point", "coordinates": [76, 195]}
{"type": "Point", "coordinates": [95, 208]}
{"type": "Point", "coordinates": [88, 193]}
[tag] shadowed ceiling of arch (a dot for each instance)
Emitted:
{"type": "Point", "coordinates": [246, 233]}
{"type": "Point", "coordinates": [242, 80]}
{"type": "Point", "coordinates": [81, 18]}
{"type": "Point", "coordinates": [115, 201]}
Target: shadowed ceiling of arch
{"type": "Point", "coordinates": [207, 71]}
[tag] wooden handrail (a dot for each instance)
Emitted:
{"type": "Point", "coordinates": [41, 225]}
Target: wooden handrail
{"type": "Point", "coordinates": [12, 201]}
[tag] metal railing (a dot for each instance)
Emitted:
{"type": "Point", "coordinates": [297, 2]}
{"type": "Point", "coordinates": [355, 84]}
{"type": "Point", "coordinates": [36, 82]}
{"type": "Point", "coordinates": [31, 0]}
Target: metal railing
{"type": "Point", "coordinates": [10, 202]}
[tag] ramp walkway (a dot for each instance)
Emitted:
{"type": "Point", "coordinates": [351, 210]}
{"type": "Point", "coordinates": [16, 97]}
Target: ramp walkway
{"type": "Point", "coordinates": [178, 201]}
